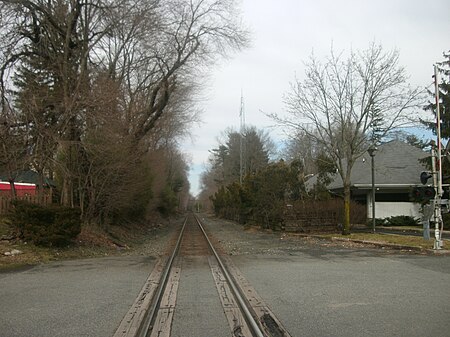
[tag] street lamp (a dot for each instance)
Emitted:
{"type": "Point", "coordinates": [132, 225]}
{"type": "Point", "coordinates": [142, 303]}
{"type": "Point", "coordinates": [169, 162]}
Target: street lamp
{"type": "Point", "coordinates": [372, 149]}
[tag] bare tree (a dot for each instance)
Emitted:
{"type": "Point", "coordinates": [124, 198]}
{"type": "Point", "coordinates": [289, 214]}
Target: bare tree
{"type": "Point", "coordinates": [156, 48]}
{"type": "Point", "coordinates": [46, 48]}
{"type": "Point", "coordinates": [342, 103]}
{"type": "Point", "coordinates": [127, 70]}
{"type": "Point", "coordinates": [300, 146]}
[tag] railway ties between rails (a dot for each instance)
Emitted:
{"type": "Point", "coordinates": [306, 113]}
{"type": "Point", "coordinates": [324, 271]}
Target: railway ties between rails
{"type": "Point", "coordinates": [153, 311]}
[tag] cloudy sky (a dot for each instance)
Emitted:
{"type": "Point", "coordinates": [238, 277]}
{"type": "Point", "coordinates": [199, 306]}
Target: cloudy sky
{"type": "Point", "coordinates": [286, 32]}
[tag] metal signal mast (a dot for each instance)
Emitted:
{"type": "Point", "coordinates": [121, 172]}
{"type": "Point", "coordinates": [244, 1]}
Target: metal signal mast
{"type": "Point", "coordinates": [437, 169]}
{"type": "Point", "coordinates": [242, 141]}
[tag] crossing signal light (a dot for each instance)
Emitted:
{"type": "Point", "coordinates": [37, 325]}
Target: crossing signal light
{"type": "Point", "coordinates": [429, 193]}
{"type": "Point", "coordinates": [423, 194]}
{"type": "Point", "coordinates": [424, 176]}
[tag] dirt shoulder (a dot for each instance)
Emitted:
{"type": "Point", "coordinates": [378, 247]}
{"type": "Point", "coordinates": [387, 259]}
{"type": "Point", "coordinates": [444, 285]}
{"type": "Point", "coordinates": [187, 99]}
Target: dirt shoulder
{"type": "Point", "coordinates": [146, 239]}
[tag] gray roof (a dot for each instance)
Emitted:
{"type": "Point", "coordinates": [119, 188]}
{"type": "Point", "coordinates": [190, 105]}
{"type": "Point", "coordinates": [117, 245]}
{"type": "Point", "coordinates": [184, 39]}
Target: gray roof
{"type": "Point", "coordinates": [396, 165]}
{"type": "Point", "coordinates": [27, 176]}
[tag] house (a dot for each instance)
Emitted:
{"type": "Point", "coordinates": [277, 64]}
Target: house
{"type": "Point", "coordinates": [22, 189]}
{"type": "Point", "coordinates": [26, 183]}
{"type": "Point", "coordinates": [397, 171]}
{"type": "Point", "coordinates": [28, 176]}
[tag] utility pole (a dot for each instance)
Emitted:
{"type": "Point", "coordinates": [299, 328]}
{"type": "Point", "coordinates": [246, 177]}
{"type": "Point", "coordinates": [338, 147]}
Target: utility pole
{"type": "Point", "coordinates": [371, 151]}
{"type": "Point", "coordinates": [242, 141]}
{"type": "Point", "coordinates": [437, 169]}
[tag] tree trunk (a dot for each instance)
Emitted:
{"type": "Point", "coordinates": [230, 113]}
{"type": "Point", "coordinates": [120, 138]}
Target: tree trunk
{"type": "Point", "coordinates": [66, 193]}
{"type": "Point", "coordinates": [13, 189]}
{"type": "Point", "coordinates": [40, 187]}
{"type": "Point", "coordinates": [346, 224]}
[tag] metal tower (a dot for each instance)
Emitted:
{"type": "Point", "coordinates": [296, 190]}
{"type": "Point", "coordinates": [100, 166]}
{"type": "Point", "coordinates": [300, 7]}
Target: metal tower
{"type": "Point", "coordinates": [242, 141]}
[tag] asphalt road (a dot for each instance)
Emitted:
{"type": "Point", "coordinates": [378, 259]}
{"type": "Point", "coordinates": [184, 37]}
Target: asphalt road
{"type": "Point", "coordinates": [84, 298]}
{"type": "Point", "coordinates": [350, 293]}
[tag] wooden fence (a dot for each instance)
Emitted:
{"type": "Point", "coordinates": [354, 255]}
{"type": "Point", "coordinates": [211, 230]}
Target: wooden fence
{"type": "Point", "coordinates": [321, 216]}
{"type": "Point", "coordinates": [5, 201]}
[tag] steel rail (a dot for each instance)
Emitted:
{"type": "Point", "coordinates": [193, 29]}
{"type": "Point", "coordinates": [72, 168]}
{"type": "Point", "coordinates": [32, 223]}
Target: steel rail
{"type": "Point", "coordinates": [145, 329]}
{"type": "Point", "coordinates": [254, 326]}
{"type": "Point", "coordinates": [147, 324]}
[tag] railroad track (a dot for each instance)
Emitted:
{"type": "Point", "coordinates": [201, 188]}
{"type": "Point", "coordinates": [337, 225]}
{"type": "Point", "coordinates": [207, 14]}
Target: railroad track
{"type": "Point", "coordinates": [153, 312]}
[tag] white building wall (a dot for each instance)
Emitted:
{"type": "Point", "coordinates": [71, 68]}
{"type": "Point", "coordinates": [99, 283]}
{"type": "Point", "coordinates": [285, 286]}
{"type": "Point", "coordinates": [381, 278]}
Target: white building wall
{"type": "Point", "coordinates": [385, 209]}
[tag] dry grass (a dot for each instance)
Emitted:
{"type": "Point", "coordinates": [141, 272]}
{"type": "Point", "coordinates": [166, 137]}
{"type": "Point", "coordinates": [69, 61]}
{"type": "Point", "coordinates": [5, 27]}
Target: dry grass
{"type": "Point", "coordinates": [402, 240]}
{"type": "Point", "coordinates": [33, 255]}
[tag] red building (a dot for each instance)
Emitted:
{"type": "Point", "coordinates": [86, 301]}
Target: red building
{"type": "Point", "coordinates": [22, 189]}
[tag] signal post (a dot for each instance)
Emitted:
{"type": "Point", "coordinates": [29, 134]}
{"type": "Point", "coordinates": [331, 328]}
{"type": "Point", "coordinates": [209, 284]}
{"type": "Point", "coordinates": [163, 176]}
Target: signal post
{"type": "Point", "coordinates": [437, 169]}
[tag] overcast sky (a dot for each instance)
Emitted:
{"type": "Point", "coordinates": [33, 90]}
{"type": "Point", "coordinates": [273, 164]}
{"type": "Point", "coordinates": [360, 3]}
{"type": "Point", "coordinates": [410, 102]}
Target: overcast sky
{"type": "Point", "coordinates": [286, 32]}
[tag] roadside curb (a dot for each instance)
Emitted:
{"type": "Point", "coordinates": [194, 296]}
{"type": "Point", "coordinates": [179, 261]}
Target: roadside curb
{"type": "Point", "coordinates": [378, 244]}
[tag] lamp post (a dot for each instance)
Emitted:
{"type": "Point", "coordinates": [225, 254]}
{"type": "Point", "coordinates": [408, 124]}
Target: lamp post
{"type": "Point", "coordinates": [371, 151]}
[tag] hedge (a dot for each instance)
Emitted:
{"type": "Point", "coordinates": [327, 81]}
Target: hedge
{"type": "Point", "coordinates": [45, 225]}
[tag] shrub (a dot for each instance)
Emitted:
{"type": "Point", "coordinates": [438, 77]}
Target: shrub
{"type": "Point", "coordinates": [378, 222]}
{"type": "Point", "coordinates": [401, 220]}
{"type": "Point", "coordinates": [168, 202]}
{"type": "Point", "coordinates": [261, 197]}
{"type": "Point", "coordinates": [45, 225]}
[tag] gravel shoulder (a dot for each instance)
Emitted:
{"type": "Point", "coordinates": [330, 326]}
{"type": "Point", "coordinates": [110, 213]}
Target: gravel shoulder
{"type": "Point", "coordinates": [238, 240]}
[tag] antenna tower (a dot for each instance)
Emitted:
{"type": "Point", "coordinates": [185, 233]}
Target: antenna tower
{"type": "Point", "coordinates": [242, 141]}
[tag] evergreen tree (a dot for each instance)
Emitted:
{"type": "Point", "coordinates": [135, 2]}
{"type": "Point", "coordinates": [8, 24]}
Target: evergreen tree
{"type": "Point", "coordinates": [37, 91]}
{"type": "Point", "coordinates": [444, 95]}
{"type": "Point", "coordinates": [444, 108]}
{"type": "Point", "coordinates": [225, 160]}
